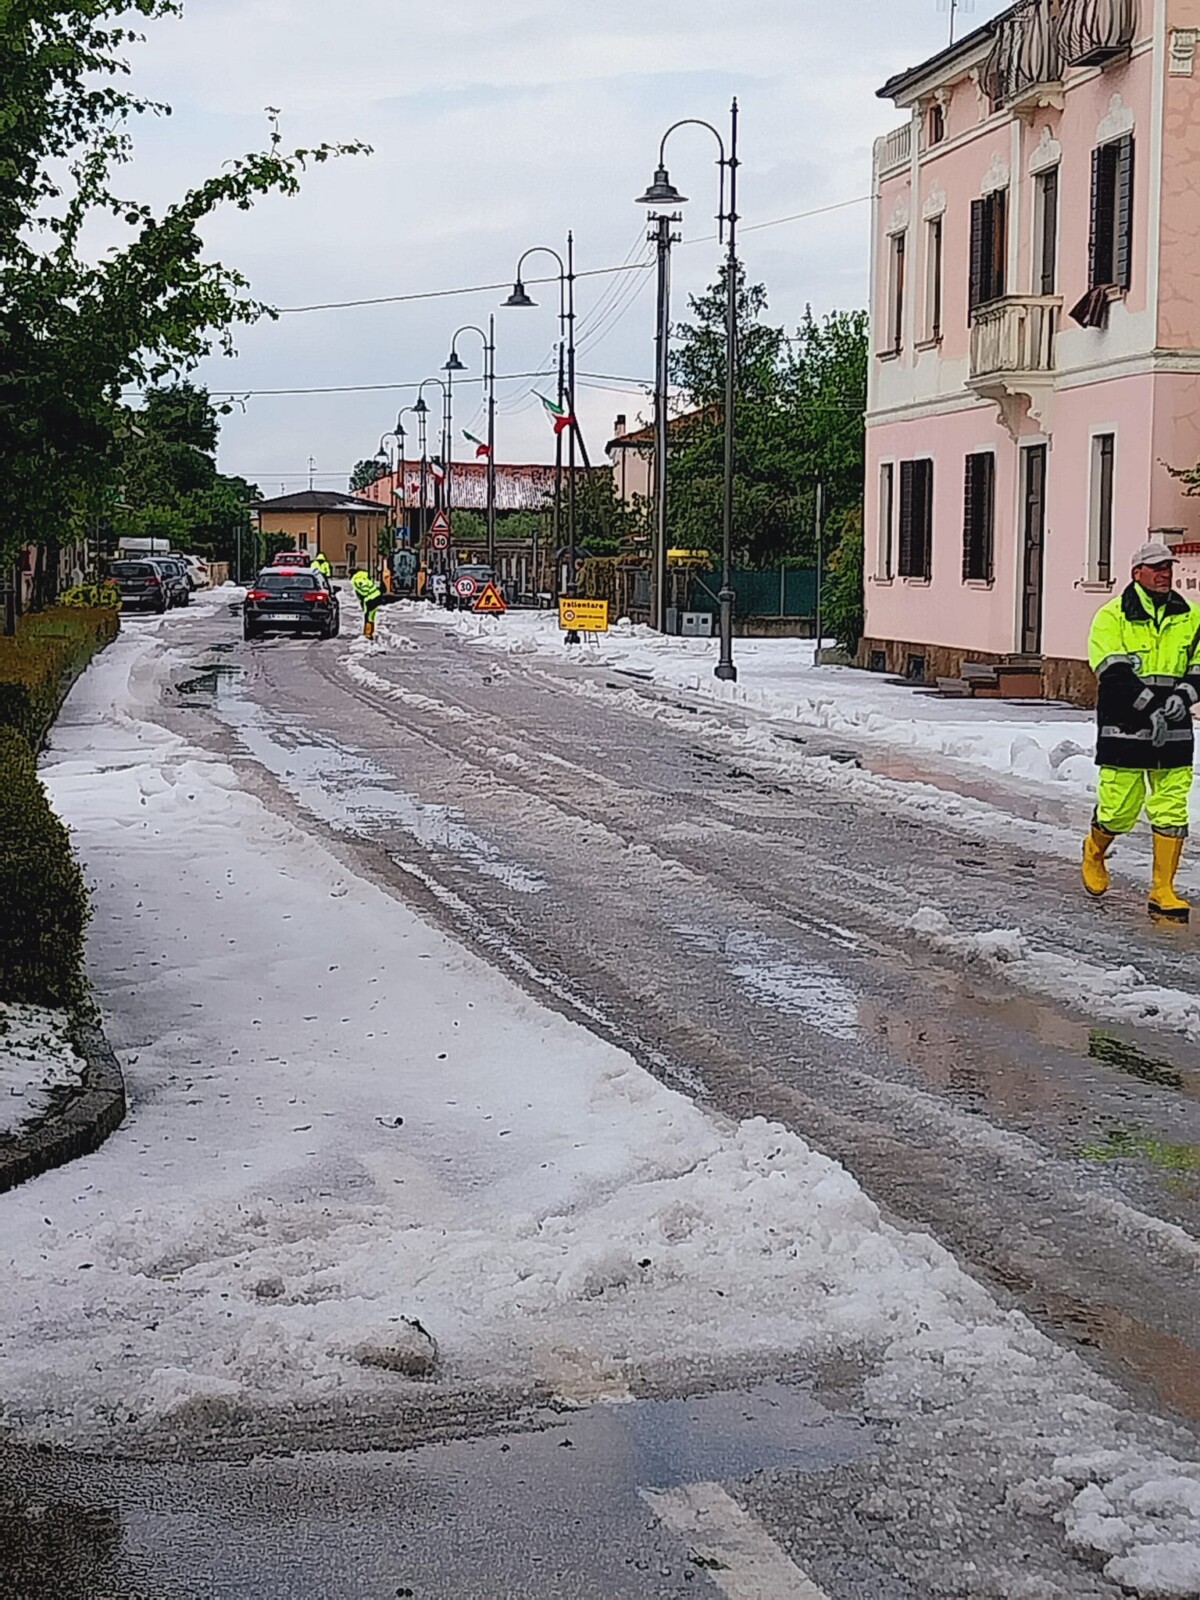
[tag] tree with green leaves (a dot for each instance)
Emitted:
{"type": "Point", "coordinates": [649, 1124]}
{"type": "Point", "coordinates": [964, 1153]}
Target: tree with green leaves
{"type": "Point", "coordinates": [76, 332]}
{"type": "Point", "coordinates": [798, 422]}
{"type": "Point", "coordinates": [366, 473]}
{"type": "Point", "coordinates": [169, 485]}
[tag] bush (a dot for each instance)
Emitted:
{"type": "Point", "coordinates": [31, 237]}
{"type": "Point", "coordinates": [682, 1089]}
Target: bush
{"type": "Point", "coordinates": [38, 666]}
{"type": "Point", "coordinates": [41, 888]}
{"type": "Point", "coordinates": [843, 599]}
{"type": "Point", "coordinates": [89, 595]}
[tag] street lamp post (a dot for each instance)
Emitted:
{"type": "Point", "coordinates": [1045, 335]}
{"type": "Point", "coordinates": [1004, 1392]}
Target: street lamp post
{"type": "Point", "coordinates": [662, 192]}
{"type": "Point", "coordinates": [566, 320]}
{"type": "Point", "coordinates": [444, 563]}
{"type": "Point", "coordinates": [456, 364]}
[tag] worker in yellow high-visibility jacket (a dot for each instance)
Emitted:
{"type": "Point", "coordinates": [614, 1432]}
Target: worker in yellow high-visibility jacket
{"type": "Point", "coordinates": [371, 597]}
{"type": "Point", "coordinates": [1145, 652]}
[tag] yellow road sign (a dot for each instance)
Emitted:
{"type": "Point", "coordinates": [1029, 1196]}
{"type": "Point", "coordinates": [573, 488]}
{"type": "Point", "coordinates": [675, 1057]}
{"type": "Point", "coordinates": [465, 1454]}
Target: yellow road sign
{"type": "Point", "coordinates": [583, 616]}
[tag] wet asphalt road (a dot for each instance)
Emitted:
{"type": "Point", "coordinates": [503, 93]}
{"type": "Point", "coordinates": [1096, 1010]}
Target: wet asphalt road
{"type": "Point", "coordinates": [739, 925]}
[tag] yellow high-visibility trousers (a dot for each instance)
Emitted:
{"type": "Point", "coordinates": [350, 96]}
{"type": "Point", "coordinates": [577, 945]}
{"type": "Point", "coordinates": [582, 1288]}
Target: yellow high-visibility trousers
{"type": "Point", "coordinates": [1124, 792]}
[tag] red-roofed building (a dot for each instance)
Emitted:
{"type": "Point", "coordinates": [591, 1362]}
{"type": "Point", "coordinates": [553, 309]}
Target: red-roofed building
{"type": "Point", "coordinates": [518, 488]}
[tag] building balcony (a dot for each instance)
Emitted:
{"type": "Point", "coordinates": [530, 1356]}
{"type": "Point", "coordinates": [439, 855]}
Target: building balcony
{"type": "Point", "coordinates": [894, 150]}
{"type": "Point", "coordinates": [1013, 359]}
{"type": "Point", "coordinates": [1025, 67]}
{"type": "Point", "coordinates": [1094, 32]}
{"type": "Point", "coordinates": [1013, 339]}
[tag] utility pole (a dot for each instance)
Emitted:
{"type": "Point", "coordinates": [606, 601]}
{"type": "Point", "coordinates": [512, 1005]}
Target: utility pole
{"type": "Point", "coordinates": [820, 542]}
{"type": "Point", "coordinates": [662, 238]}
{"type": "Point", "coordinates": [312, 466]}
{"type": "Point", "coordinates": [572, 637]}
{"type": "Point", "coordinates": [490, 355]}
{"type": "Point", "coordinates": [725, 668]}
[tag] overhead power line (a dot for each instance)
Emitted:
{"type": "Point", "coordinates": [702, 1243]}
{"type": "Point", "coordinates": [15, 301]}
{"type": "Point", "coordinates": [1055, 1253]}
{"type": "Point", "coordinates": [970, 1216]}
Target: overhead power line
{"type": "Point", "coordinates": [591, 272]}
{"type": "Point", "coordinates": [371, 388]}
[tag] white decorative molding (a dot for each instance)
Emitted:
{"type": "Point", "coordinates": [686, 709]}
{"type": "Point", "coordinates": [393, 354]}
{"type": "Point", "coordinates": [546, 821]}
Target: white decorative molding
{"type": "Point", "coordinates": [943, 97]}
{"type": "Point", "coordinates": [1184, 42]}
{"type": "Point", "coordinates": [1119, 121]}
{"type": "Point", "coordinates": [1046, 154]}
{"type": "Point", "coordinates": [996, 177]}
{"type": "Point", "coordinates": [900, 215]}
{"type": "Point", "coordinates": [935, 204]}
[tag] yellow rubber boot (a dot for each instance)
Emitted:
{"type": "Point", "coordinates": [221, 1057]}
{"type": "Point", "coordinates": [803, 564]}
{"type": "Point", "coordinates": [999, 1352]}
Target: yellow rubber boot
{"type": "Point", "coordinates": [1164, 902]}
{"type": "Point", "coordinates": [368, 627]}
{"type": "Point", "coordinates": [1095, 865]}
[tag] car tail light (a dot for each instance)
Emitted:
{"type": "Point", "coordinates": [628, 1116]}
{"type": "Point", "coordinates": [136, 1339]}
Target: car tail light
{"type": "Point", "coordinates": [258, 594]}
{"type": "Point", "coordinates": [318, 595]}
{"type": "Point", "coordinates": [154, 583]}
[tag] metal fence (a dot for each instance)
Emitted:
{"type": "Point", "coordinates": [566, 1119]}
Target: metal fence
{"type": "Point", "coordinates": [778, 592]}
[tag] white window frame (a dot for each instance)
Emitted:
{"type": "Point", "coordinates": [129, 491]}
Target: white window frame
{"type": "Point", "coordinates": [1038, 229]}
{"type": "Point", "coordinates": [886, 526]}
{"type": "Point", "coordinates": [896, 290]}
{"type": "Point", "coordinates": [935, 279]}
{"type": "Point", "coordinates": [1095, 482]}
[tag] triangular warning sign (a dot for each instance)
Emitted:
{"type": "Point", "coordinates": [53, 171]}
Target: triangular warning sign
{"type": "Point", "coordinates": [490, 600]}
{"type": "Point", "coordinates": [440, 523]}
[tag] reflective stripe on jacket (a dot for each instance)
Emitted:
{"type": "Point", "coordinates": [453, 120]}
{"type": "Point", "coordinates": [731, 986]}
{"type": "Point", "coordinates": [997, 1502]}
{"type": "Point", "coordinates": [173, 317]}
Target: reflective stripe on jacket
{"type": "Point", "coordinates": [320, 563]}
{"type": "Point", "coordinates": [1141, 653]}
{"type": "Point", "coordinates": [365, 587]}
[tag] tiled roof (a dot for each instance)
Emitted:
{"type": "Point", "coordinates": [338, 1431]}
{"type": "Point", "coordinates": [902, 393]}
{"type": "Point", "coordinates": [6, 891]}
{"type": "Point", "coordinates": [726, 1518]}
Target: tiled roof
{"type": "Point", "coordinates": [316, 500]}
{"type": "Point", "coordinates": [518, 488]}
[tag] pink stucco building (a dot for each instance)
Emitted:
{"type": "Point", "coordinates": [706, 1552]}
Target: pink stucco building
{"type": "Point", "coordinates": [1036, 325]}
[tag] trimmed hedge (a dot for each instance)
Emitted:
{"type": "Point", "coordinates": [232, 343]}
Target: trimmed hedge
{"type": "Point", "coordinates": [38, 666]}
{"type": "Point", "coordinates": [43, 900]}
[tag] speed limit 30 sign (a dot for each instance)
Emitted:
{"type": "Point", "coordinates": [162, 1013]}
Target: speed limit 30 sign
{"type": "Point", "coordinates": [465, 587]}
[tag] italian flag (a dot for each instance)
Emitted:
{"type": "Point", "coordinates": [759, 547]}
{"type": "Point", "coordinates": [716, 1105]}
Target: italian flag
{"type": "Point", "coordinates": [482, 450]}
{"type": "Point", "coordinates": [437, 469]}
{"type": "Point", "coordinates": [559, 415]}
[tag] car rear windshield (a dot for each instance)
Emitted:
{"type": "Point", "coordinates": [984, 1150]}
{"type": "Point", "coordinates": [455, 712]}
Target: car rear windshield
{"type": "Point", "coordinates": [287, 582]}
{"type": "Point", "coordinates": [132, 569]}
{"type": "Point", "coordinates": [483, 573]}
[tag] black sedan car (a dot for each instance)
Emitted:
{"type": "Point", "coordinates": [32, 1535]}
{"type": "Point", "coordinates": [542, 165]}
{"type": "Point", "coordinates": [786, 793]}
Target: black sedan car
{"type": "Point", "coordinates": [295, 598]}
{"type": "Point", "coordinates": [143, 586]}
{"type": "Point", "coordinates": [177, 579]}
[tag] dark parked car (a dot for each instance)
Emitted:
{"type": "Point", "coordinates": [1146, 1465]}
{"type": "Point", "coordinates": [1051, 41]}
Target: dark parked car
{"type": "Point", "coordinates": [291, 597]}
{"type": "Point", "coordinates": [476, 572]}
{"type": "Point", "coordinates": [143, 586]}
{"type": "Point", "coordinates": [177, 579]}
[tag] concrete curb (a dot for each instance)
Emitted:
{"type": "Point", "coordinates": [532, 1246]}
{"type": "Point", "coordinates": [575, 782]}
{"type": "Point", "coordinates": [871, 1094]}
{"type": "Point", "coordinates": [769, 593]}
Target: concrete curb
{"type": "Point", "coordinates": [77, 1127]}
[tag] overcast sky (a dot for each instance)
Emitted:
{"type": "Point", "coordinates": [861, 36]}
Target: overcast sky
{"type": "Point", "coordinates": [498, 126]}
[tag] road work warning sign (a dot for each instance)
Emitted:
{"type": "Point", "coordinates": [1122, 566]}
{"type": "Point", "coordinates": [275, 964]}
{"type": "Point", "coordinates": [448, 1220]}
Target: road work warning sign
{"type": "Point", "coordinates": [490, 601]}
{"type": "Point", "coordinates": [583, 616]}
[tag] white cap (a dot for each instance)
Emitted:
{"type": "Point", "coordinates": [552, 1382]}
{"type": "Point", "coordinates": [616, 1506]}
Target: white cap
{"type": "Point", "coordinates": [1153, 554]}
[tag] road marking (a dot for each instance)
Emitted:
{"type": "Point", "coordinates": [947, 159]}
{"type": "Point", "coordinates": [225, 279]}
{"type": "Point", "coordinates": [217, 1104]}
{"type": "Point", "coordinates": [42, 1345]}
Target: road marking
{"type": "Point", "coordinates": [729, 1545]}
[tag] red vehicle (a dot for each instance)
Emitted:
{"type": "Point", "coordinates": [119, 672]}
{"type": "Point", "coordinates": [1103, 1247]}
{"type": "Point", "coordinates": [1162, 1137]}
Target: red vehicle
{"type": "Point", "coordinates": [290, 558]}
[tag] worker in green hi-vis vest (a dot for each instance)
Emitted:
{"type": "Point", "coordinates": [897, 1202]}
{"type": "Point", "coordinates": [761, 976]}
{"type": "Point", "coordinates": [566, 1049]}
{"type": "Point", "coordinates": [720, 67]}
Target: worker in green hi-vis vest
{"type": "Point", "coordinates": [1145, 652]}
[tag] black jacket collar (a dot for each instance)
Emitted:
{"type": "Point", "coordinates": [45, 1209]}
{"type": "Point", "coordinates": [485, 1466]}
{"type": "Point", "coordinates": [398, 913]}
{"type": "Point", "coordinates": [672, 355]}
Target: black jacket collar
{"type": "Point", "coordinates": [1131, 604]}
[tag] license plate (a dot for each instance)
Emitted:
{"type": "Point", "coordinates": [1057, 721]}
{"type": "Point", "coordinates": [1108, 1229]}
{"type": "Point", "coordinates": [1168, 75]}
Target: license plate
{"type": "Point", "coordinates": [278, 616]}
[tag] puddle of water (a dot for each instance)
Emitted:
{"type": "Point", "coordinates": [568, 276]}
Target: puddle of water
{"type": "Point", "coordinates": [207, 680]}
{"type": "Point", "coordinates": [725, 1436]}
{"type": "Point", "coordinates": [770, 972]}
{"type": "Point", "coordinates": [349, 791]}
{"type": "Point", "coordinates": [1128, 1058]}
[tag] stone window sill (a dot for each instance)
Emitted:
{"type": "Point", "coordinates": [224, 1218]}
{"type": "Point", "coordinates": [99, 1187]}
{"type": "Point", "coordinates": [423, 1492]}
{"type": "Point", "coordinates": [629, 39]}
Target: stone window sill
{"type": "Point", "coordinates": [1092, 586]}
{"type": "Point", "coordinates": [883, 583]}
{"type": "Point", "coordinates": [916, 583]}
{"type": "Point", "coordinates": [979, 583]}
{"type": "Point", "coordinates": [887, 355]}
{"type": "Point", "coordinates": [932, 343]}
